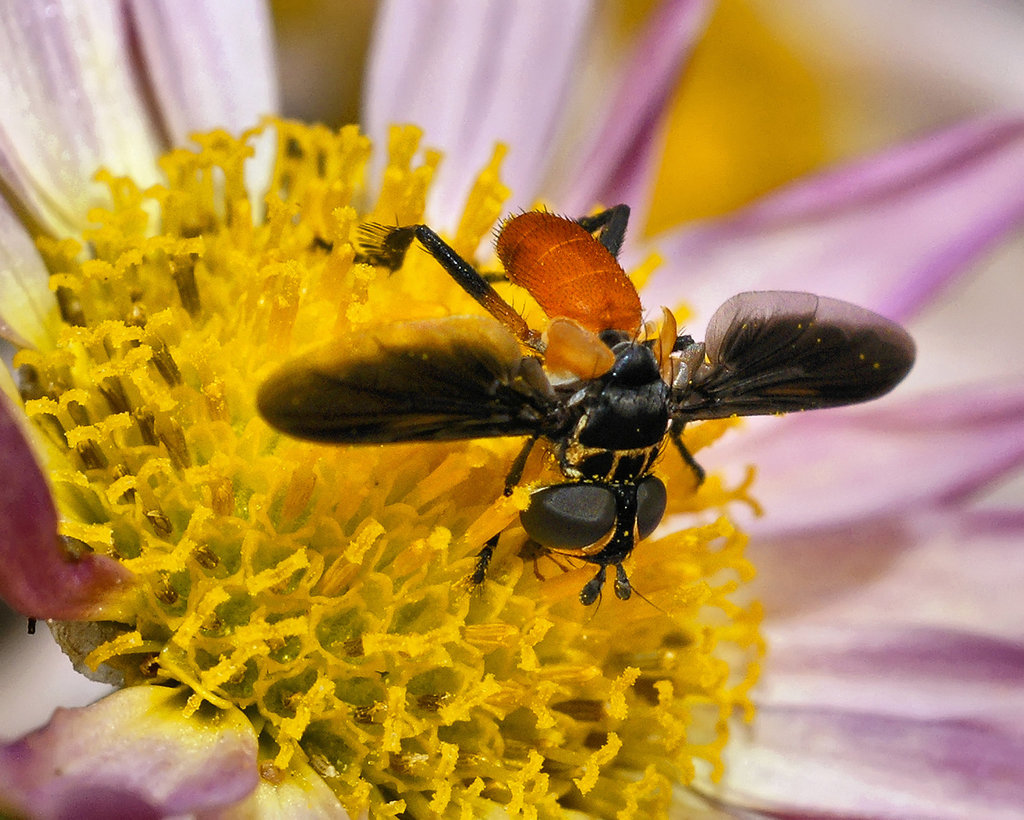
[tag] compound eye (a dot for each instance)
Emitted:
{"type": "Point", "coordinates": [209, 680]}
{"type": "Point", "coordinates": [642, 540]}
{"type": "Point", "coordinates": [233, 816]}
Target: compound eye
{"type": "Point", "coordinates": [569, 516]}
{"type": "Point", "coordinates": [651, 499]}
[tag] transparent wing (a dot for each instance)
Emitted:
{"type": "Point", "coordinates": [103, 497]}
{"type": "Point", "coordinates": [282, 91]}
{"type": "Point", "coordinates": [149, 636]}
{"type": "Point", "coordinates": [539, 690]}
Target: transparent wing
{"type": "Point", "coordinates": [779, 351]}
{"type": "Point", "coordinates": [454, 378]}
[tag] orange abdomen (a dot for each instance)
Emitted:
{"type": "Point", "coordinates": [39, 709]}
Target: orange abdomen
{"type": "Point", "coordinates": [568, 272]}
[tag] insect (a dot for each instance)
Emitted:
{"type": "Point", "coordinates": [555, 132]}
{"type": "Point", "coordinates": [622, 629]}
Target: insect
{"type": "Point", "coordinates": [607, 397]}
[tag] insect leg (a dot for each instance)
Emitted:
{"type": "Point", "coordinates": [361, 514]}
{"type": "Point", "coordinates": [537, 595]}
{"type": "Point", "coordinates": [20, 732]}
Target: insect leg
{"type": "Point", "coordinates": [387, 247]}
{"type": "Point", "coordinates": [384, 246]}
{"type": "Point", "coordinates": [592, 589]}
{"type": "Point", "coordinates": [691, 462]}
{"type": "Point", "coordinates": [611, 223]}
{"type": "Point", "coordinates": [483, 560]}
{"type": "Point", "coordinates": [623, 589]}
{"type": "Point", "coordinates": [516, 470]}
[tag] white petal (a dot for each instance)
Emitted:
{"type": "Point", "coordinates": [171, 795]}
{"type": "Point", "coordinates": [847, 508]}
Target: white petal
{"type": "Point", "coordinates": [299, 792]}
{"type": "Point", "coordinates": [73, 104]}
{"type": "Point", "coordinates": [131, 754]}
{"type": "Point", "coordinates": [211, 64]}
{"type": "Point", "coordinates": [473, 73]}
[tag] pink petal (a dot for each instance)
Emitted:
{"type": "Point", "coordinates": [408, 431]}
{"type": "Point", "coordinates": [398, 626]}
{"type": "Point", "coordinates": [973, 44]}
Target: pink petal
{"type": "Point", "coordinates": [831, 468]}
{"type": "Point", "coordinates": [473, 73]}
{"type": "Point", "coordinates": [37, 578]}
{"type": "Point", "coordinates": [211, 64]}
{"type": "Point", "coordinates": [958, 569]}
{"type": "Point", "coordinates": [907, 672]}
{"type": "Point", "coordinates": [838, 763]}
{"type": "Point", "coordinates": [26, 303]}
{"type": "Point", "coordinates": [885, 233]}
{"type": "Point", "coordinates": [132, 754]}
{"type": "Point", "coordinates": [614, 158]}
{"type": "Point", "coordinates": [73, 103]}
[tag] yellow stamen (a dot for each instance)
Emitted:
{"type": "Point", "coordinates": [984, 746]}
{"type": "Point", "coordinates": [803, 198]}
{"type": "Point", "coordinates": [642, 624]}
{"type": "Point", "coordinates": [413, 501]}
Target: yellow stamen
{"type": "Point", "coordinates": [323, 589]}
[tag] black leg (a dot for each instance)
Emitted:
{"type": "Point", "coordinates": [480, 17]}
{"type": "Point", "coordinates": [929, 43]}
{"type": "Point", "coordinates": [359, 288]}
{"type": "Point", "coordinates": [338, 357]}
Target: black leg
{"type": "Point", "coordinates": [623, 589]}
{"type": "Point", "coordinates": [387, 247]}
{"type": "Point", "coordinates": [516, 470]}
{"type": "Point", "coordinates": [691, 462]}
{"type": "Point", "coordinates": [612, 225]}
{"type": "Point", "coordinates": [483, 560]}
{"type": "Point", "coordinates": [592, 589]}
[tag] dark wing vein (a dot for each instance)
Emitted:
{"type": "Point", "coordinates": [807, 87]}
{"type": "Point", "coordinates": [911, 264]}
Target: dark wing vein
{"type": "Point", "coordinates": [779, 351]}
{"type": "Point", "coordinates": [454, 378]}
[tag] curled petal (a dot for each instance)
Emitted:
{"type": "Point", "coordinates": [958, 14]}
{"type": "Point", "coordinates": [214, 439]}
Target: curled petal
{"type": "Point", "coordinates": [484, 72]}
{"type": "Point", "coordinates": [885, 233]}
{"type": "Point", "coordinates": [131, 754]}
{"type": "Point", "coordinates": [73, 103]}
{"type": "Point", "coordinates": [37, 577]}
{"type": "Point", "coordinates": [211, 64]}
{"type": "Point", "coordinates": [846, 763]}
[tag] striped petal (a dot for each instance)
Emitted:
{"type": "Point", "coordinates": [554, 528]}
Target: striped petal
{"type": "Point", "coordinates": [211, 64]}
{"type": "Point", "coordinates": [132, 754]}
{"type": "Point", "coordinates": [929, 673]}
{"type": "Point", "coordinates": [73, 104]}
{"type": "Point", "coordinates": [477, 73]}
{"type": "Point", "coordinates": [897, 721]}
{"type": "Point", "coordinates": [960, 569]}
{"type": "Point", "coordinates": [886, 233]}
{"type": "Point", "coordinates": [37, 576]}
{"type": "Point", "coordinates": [616, 158]}
{"type": "Point", "coordinates": [826, 470]}
{"type": "Point", "coordinates": [798, 762]}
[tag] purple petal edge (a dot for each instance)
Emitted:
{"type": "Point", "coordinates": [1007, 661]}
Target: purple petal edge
{"type": "Point", "coordinates": [887, 233]}
{"type": "Point", "coordinates": [37, 578]}
{"type": "Point", "coordinates": [930, 672]}
{"type": "Point", "coordinates": [619, 150]}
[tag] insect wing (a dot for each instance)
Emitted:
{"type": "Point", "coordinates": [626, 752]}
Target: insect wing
{"type": "Point", "coordinates": [779, 351]}
{"type": "Point", "coordinates": [454, 378]}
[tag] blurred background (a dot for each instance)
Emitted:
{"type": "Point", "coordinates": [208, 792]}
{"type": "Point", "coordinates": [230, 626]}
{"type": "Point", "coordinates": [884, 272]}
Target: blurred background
{"type": "Point", "coordinates": [776, 89]}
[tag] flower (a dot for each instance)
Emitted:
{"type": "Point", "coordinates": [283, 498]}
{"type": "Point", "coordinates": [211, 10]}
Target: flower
{"type": "Point", "coordinates": [197, 260]}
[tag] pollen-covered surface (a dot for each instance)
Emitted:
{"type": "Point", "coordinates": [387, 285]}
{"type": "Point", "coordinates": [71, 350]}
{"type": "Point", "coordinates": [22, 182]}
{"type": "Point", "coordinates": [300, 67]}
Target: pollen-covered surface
{"type": "Point", "coordinates": [324, 589]}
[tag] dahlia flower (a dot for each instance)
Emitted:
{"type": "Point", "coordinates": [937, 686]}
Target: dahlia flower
{"type": "Point", "coordinates": [287, 626]}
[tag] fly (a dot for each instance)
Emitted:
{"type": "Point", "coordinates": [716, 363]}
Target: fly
{"type": "Point", "coordinates": [607, 400]}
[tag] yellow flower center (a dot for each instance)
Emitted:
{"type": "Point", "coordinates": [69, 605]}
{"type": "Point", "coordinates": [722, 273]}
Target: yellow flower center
{"type": "Point", "coordinates": [323, 589]}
